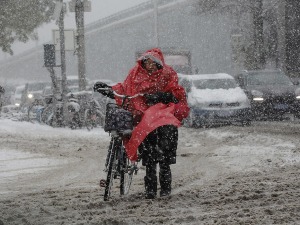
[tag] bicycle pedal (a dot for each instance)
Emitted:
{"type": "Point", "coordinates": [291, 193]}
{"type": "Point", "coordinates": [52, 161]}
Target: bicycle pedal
{"type": "Point", "coordinates": [102, 183]}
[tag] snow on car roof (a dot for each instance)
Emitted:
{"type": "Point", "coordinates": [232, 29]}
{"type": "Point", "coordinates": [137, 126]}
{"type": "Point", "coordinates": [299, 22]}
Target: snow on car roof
{"type": "Point", "coordinates": [206, 76]}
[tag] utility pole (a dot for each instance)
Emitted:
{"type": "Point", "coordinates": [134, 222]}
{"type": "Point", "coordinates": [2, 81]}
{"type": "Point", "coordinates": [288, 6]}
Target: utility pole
{"type": "Point", "coordinates": [63, 62]}
{"type": "Point", "coordinates": [259, 53]}
{"type": "Point", "coordinates": [79, 17]}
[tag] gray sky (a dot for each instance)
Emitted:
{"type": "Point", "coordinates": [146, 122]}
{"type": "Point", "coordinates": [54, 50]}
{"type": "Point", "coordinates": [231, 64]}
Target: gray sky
{"type": "Point", "coordinates": [100, 9]}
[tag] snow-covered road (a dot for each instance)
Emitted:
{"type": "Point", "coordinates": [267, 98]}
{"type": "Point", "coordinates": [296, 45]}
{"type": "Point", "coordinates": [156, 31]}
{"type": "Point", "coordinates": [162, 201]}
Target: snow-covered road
{"type": "Point", "coordinates": [223, 175]}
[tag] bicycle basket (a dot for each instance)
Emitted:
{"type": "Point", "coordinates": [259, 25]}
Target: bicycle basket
{"type": "Point", "coordinates": [117, 119]}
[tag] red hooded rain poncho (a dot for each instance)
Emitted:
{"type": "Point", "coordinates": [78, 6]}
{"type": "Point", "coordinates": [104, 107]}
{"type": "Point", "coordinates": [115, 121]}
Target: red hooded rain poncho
{"type": "Point", "coordinates": [152, 117]}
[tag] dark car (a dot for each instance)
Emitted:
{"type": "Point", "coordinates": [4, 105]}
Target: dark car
{"type": "Point", "coordinates": [271, 93]}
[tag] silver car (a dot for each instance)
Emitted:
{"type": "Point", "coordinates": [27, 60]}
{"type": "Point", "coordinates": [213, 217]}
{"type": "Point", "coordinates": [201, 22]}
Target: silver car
{"type": "Point", "coordinates": [215, 99]}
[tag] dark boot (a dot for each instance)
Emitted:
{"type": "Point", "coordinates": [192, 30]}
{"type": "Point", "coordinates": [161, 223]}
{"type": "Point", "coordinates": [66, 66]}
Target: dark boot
{"type": "Point", "coordinates": [150, 187]}
{"type": "Point", "coordinates": [165, 180]}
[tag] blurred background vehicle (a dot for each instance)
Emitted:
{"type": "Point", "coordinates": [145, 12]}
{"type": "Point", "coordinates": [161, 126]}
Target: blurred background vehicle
{"type": "Point", "coordinates": [215, 99]}
{"type": "Point", "coordinates": [18, 95]}
{"type": "Point", "coordinates": [34, 91]}
{"type": "Point", "coordinates": [28, 93]}
{"type": "Point", "coordinates": [272, 93]}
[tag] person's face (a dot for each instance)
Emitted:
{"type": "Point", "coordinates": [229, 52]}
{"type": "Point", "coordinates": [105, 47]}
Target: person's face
{"type": "Point", "coordinates": [150, 66]}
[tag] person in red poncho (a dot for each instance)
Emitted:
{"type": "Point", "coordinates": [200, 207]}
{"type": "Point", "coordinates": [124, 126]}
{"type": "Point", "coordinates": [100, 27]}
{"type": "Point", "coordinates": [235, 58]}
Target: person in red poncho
{"type": "Point", "coordinates": [157, 114]}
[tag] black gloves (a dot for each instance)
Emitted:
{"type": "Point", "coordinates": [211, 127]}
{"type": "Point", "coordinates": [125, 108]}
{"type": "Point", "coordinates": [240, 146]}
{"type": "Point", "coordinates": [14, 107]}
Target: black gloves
{"type": "Point", "coordinates": [100, 85]}
{"type": "Point", "coordinates": [163, 97]}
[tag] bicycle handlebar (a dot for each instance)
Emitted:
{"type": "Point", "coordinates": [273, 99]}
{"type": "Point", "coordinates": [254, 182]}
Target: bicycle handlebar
{"type": "Point", "coordinates": [121, 96]}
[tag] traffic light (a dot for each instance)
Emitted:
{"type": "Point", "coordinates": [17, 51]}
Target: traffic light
{"type": "Point", "coordinates": [49, 55]}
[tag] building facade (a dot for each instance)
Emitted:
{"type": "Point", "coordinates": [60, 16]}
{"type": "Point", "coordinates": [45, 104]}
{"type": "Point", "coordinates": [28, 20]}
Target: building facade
{"type": "Point", "coordinates": [214, 41]}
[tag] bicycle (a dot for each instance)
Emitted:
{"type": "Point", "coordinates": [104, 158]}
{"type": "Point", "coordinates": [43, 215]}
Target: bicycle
{"type": "Point", "coordinates": [72, 118]}
{"type": "Point", "coordinates": [52, 112]}
{"type": "Point", "coordinates": [34, 111]}
{"type": "Point", "coordinates": [93, 115]}
{"type": "Point", "coordinates": [119, 123]}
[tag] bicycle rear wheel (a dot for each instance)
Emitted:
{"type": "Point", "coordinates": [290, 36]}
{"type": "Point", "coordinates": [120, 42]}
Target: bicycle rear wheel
{"type": "Point", "coordinates": [127, 171]}
{"type": "Point", "coordinates": [112, 167]}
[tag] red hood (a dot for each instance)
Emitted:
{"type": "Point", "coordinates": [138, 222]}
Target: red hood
{"type": "Point", "coordinates": [155, 54]}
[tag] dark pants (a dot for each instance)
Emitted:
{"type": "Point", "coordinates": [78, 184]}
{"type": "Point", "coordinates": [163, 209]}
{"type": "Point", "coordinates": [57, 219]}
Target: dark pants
{"type": "Point", "coordinates": [159, 148]}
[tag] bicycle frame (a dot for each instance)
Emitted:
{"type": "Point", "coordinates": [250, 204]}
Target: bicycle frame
{"type": "Point", "coordinates": [117, 165]}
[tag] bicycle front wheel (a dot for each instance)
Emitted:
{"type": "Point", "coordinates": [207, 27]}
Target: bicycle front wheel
{"type": "Point", "coordinates": [126, 171]}
{"type": "Point", "coordinates": [111, 167]}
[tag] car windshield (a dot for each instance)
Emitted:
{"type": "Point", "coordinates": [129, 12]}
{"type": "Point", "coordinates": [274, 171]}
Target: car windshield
{"type": "Point", "coordinates": [268, 78]}
{"type": "Point", "coordinates": [214, 84]}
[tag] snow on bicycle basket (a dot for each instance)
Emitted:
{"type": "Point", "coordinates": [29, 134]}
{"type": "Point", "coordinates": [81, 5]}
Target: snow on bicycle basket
{"type": "Point", "coordinates": [118, 119]}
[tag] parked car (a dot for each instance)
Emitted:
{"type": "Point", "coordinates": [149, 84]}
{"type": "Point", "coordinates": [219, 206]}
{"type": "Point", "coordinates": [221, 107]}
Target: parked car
{"type": "Point", "coordinates": [28, 93]}
{"type": "Point", "coordinates": [35, 90]}
{"type": "Point", "coordinates": [272, 93]}
{"type": "Point", "coordinates": [215, 99]}
{"type": "Point", "coordinates": [17, 98]}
